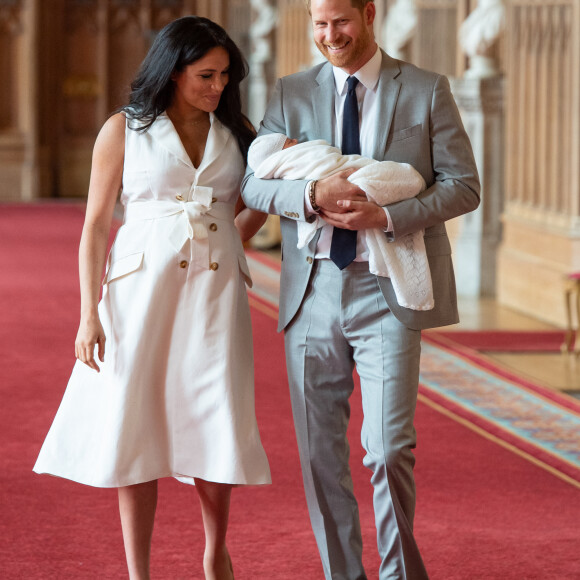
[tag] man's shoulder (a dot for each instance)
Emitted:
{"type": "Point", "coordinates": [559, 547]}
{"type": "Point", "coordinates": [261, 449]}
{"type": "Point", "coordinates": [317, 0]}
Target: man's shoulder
{"type": "Point", "coordinates": [304, 76]}
{"type": "Point", "coordinates": [411, 73]}
{"type": "Point", "coordinates": [410, 70]}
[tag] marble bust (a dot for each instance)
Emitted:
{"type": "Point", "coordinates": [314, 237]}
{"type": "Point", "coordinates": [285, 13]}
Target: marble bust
{"type": "Point", "coordinates": [478, 34]}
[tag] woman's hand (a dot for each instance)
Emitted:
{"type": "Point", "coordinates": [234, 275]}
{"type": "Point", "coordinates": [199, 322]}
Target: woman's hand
{"type": "Point", "coordinates": [248, 221]}
{"type": "Point", "coordinates": [90, 333]}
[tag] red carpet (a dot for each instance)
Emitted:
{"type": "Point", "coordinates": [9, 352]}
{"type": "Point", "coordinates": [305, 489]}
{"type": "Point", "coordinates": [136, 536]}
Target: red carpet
{"type": "Point", "coordinates": [482, 513]}
{"type": "Point", "coordinates": [504, 340]}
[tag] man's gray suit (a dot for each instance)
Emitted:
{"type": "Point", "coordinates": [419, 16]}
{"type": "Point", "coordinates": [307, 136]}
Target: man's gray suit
{"type": "Point", "coordinates": [420, 125]}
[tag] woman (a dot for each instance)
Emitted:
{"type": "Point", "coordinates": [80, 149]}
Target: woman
{"type": "Point", "coordinates": [173, 393]}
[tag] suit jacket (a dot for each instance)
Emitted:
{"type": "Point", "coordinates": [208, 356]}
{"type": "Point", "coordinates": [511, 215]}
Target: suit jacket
{"type": "Point", "coordinates": [419, 124]}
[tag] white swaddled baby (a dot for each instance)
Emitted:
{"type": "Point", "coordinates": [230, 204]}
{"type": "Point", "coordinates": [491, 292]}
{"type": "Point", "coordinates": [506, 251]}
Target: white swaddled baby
{"type": "Point", "coordinates": [404, 261]}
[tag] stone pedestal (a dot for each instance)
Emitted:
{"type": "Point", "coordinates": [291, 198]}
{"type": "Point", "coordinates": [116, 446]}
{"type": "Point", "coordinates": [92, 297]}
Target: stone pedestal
{"type": "Point", "coordinates": [476, 235]}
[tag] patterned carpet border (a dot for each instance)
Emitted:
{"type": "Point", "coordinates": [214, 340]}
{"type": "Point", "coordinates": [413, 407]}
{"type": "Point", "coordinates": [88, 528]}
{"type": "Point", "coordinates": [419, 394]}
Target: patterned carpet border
{"type": "Point", "coordinates": [540, 423]}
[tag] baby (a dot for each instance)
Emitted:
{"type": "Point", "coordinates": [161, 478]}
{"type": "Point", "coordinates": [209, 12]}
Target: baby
{"type": "Point", "coordinates": [404, 261]}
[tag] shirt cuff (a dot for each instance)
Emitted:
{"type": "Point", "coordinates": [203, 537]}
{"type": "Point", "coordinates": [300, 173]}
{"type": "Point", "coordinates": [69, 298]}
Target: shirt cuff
{"type": "Point", "coordinates": [389, 227]}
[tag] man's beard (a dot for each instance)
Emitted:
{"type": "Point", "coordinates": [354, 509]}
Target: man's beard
{"type": "Point", "coordinates": [355, 50]}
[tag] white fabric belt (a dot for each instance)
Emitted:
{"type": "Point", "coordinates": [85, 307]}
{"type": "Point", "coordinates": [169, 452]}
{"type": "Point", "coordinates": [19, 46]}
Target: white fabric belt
{"type": "Point", "coordinates": [192, 225]}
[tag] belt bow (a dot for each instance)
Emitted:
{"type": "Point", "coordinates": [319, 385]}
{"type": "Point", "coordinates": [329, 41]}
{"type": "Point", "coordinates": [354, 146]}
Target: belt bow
{"type": "Point", "coordinates": [191, 224]}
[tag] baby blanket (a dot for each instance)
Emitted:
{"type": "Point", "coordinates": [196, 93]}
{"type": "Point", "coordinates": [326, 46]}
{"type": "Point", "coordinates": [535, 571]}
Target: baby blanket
{"type": "Point", "coordinates": [404, 261]}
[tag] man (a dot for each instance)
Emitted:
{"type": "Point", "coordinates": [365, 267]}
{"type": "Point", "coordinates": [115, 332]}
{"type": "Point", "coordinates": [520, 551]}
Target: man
{"type": "Point", "coordinates": [334, 312]}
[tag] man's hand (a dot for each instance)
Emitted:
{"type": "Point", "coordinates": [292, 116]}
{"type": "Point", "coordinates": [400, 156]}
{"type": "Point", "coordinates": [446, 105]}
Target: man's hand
{"type": "Point", "coordinates": [335, 188]}
{"type": "Point", "coordinates": [356, 215]}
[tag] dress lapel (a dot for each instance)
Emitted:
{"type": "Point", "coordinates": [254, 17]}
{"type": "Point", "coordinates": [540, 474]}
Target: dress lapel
{"type": "Point", "coordinates": [387, 95]}
{"type": "Point", "coordinates": [165, 133]}
{"type": "Point", "coordinates": [216, 141]}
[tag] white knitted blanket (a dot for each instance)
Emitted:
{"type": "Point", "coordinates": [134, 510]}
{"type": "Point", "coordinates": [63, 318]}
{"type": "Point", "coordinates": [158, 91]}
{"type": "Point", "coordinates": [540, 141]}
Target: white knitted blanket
{"type": "Point", "coordinates": [404, 261]}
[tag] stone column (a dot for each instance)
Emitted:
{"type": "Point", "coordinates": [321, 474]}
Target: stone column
{"type": "Point", "coordinates": [261, 31]}
{"type": "Point", "coordinates": [478, 234]}
{"type": "Point", "coordinates": [19, 166]}
{"type": "Point", "coordinates": [479, 96]}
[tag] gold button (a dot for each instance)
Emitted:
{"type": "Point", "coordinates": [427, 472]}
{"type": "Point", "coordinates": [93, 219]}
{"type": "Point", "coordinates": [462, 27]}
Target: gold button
{"type": "Point", "coordinates": [213, 227]}
{"type": "Point", "coordinates": [214, 266]}
{"type": "Point", "coordinates": [183, 264]}
{"type": "Point", "coordinates": [179, 197]}
{"type": "Point", "coordinates": [309, 259]}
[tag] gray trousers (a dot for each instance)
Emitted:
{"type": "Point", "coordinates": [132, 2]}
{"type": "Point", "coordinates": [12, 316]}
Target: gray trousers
{"type": "Point", "coordinates": [344, 321]}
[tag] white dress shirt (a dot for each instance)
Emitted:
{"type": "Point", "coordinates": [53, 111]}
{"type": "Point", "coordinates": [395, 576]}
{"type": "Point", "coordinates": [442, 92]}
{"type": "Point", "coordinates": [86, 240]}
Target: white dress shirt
{"type": "Point", "coordinates": [366, 92]}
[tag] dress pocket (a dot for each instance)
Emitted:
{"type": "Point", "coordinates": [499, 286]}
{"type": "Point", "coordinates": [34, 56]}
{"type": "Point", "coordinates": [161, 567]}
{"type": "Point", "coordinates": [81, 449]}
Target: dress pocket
{"type": "Point", "coordinates": [245, 270]}
{"type": "Point", "coordinates": [123, 266]}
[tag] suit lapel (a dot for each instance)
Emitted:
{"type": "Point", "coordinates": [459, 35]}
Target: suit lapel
{"type": "Point", "coordinates": [387, 95]}
{"type": "Point", "coordinates": [323, 103]}
{"type": "Point", "coordinates": [388, 89]}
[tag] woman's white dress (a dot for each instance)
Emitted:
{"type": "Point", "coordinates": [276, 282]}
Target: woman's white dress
{"type": "Point", "coordinates": [175, 395]}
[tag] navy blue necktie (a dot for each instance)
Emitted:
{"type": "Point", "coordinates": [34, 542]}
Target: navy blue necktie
{"type": "Point", "coordinates": [343, 245]}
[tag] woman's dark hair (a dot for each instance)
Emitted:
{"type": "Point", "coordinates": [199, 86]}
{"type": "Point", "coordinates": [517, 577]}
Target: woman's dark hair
{"type": "Point", "coordinates": [177, 45]}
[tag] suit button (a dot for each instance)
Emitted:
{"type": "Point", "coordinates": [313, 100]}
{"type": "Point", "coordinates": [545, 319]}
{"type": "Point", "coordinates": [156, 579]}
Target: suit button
{"type": "Point", "coordinates": [309, 259]}
{"type": "Point", "coordinates": [213, 227]}
{"type": "Point", "coordinates": [179, 197]}
{"type": "Point", "coordinates": [214, 266]}
{"type": "Point", "coordinates": [183, 264]}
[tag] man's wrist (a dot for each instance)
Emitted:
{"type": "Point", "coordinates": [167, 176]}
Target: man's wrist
{"type": "Point", "coordinates": [312, 195]}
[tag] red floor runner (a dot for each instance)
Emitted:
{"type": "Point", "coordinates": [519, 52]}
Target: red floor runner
{"type": "Point", "coordinates": [505, 340]}
{"type": "Point", "coordinates": [482, 512]}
